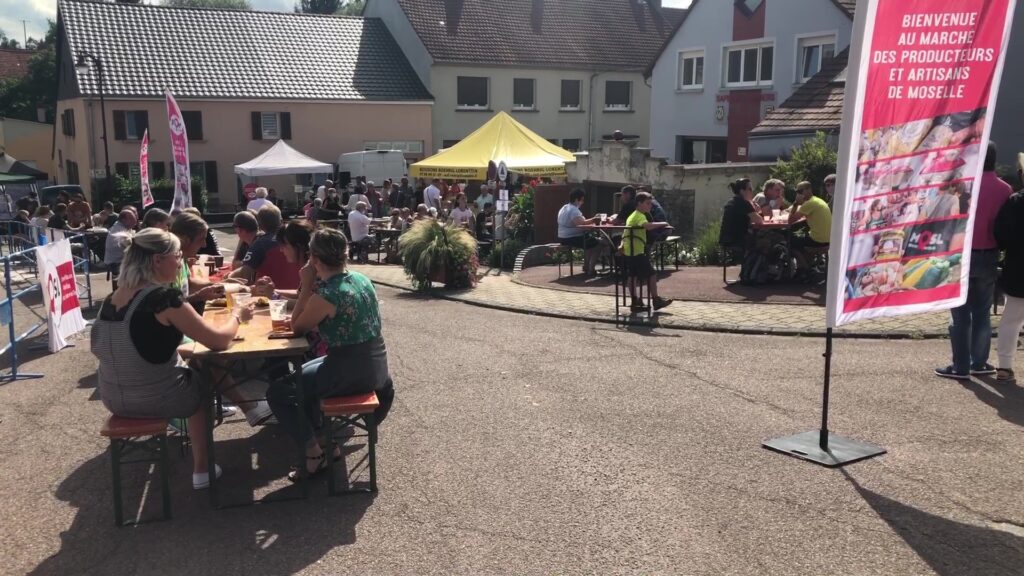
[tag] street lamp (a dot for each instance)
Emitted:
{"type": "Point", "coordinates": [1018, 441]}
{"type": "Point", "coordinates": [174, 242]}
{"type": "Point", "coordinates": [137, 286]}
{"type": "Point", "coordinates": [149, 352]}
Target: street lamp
{"type": "Point", "coordinates": [82, 65]}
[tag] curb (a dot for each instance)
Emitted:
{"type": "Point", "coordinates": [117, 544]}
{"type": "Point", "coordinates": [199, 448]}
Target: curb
{"type": "Point", "coordinates": [681, 327]}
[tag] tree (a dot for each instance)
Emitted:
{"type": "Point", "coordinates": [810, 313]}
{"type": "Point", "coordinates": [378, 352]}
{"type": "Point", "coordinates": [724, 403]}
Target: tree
{"type": "Point", "coordinates": [812, 160]}
{"type": "Point", "coordinates": [6, 42]}
{"type": "Point", "coordinates": [219, 4]}
{"type": "Point", "coordinates": [21, 97]}
{"type": "Point", "coordinates": [352, 8]}
{"type": "Point", "coordinates": [318, 6]}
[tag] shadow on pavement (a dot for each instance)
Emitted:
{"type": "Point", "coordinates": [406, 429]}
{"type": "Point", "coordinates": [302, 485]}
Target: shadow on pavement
{"type": "Point", "coordinates": [1006, 399]}
{"type": "Point", "coordinates": [950, 548]}
{"type": "Point", "coordinates": [281, 537]}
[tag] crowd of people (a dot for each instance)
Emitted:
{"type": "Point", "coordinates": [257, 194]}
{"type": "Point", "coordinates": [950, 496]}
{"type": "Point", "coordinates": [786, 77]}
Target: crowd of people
{"type": "Point", "coordinates": [146, 328]}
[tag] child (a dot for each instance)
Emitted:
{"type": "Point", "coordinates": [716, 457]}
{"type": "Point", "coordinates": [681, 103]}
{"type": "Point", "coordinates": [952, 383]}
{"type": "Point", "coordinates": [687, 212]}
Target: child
{"type": "Point", "coordinates": [638, 264]}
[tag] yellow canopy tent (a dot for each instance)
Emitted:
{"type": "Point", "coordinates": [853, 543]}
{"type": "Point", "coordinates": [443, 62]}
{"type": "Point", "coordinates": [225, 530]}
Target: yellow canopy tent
{"type": "Point", "coordinates": [500, 139]}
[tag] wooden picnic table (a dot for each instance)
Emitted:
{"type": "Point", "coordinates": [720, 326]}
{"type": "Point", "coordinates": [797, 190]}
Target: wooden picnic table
{"type": "Point", "coordinates": [251, 342]}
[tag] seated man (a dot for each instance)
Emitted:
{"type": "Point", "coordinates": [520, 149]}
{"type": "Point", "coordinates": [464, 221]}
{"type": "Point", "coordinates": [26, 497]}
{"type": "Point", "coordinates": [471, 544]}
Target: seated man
{"type": "Point", "coordinates": [117, 235]}
{"type": "Point", "coordinates": [638, 263]}
{"type": "Point", "coordinates": [771, 198]}
{"type": "Point", "coordinates": [79, 212]}
{"type": "Point", "coordinates": [359, 226]}
{"type": "Point", "coordinates": [570, 218]}
{"type": "Point", "coordinates": [264, 256]}
{"type": "Point", "coordinates": [808, 207]}
{"type": "Point", "coordinates": [246, 228]}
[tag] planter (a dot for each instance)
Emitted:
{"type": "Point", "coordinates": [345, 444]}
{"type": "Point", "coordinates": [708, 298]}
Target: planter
{"type": "Point", "coordinates": [439, 274]}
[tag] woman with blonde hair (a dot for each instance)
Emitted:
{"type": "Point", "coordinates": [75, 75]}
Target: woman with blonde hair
{"type": "Point", "coordinates": [136, 338]}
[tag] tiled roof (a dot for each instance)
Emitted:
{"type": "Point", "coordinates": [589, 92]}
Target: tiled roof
{"type": "Point", "coordinates": [580, 34]}
{"type": "Point", "coordinates": [201, 53]}
{"type": "Point", "coordinates": [14, 62]}
{"type": "Point", "coordinates": [848, 6]}
{"type": "Point", "coordinates": [817, 105]}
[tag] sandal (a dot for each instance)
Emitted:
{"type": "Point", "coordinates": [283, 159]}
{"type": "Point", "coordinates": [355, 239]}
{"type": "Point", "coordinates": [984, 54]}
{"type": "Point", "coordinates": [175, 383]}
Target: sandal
{"type": "Point", "coordinates": [296, 475]}
{"type": "Point", "coordinates": [1004, 375]}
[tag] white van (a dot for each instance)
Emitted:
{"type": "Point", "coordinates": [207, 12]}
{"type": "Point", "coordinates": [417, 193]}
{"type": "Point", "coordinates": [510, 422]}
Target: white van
{"type": "Point", "coordinates": [375, 165]}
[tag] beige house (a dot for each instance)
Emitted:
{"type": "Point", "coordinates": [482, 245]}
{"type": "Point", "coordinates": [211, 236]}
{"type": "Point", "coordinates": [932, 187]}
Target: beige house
{"type": "Point", "coordinates": [570, 70]}
{"type": "Point", "coordinates": [29, 142]}
{"type": "Point", "coordinates": [243, 80]}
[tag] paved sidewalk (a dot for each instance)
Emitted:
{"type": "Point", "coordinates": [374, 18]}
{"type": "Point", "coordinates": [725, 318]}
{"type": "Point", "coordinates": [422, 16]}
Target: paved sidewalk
{"type": "Point", "coordinates": [502, 292]}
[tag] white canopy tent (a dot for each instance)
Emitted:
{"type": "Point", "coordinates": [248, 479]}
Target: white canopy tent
{"type": "Point", "coordinates": [282, 159]}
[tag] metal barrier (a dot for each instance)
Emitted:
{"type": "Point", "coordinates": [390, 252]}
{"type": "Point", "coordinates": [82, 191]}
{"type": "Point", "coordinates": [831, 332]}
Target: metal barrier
{"type": "Point", "coordinates": [21, 242]}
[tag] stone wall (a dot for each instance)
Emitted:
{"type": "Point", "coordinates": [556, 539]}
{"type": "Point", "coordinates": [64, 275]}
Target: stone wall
{"type": "Point", "coordinates": [692, 194]}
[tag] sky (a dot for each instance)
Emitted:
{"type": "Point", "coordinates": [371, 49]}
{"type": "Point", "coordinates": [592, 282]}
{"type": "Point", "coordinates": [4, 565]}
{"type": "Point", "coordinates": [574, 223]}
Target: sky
{"type": "Point", "coordinates": [36, 12]}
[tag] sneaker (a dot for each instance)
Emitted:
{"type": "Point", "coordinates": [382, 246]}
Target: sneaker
{"type": "Point", "coordinates": [660, 302]}
{"type": "Point", "coordinates": [260, 414]}
{"type": "Point", "coordinates": [949, 372]}
{"type": "Point", "coordinates": [227, 411]}
{"type": "Point", "coordinates": [201, 481]}
{"type": "Point", "coordinates": [985, 370]}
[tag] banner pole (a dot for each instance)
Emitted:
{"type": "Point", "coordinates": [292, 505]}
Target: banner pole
{"type": "Point", "coordinates": [12, 338]}
{"type": "Point", "coordinates": [823, 433]}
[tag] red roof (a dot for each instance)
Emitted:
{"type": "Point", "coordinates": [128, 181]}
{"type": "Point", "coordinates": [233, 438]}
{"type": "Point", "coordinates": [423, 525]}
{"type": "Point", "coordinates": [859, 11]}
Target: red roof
{"type": "Point", "coordinates": [14, 62]}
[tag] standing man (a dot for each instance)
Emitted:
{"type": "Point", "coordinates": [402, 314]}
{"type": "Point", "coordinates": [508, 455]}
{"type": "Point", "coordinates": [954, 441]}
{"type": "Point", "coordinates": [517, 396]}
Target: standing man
{"type": "Point", "coordinates": [406, 196]}
{"type": "Point", "coordinates": [321, 192]}
{"type": "Point", "coordinates": [375, 199]}
{"type": "Point", "coordinates": [432, 195]}
{"type": "Point", "coordinates": [830, 189]}
{"type": "Point", "coordinates": [970, 329]}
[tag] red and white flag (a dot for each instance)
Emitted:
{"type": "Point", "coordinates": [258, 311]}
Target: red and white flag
{"type": "Point", "coordinates": [147, 193]}
{"type": "Point", "coordinates": [57, 273]}
{"type": "Point", "coordinates": [920, 97]}
{"type": "Point", "coordinates": [179, 149]}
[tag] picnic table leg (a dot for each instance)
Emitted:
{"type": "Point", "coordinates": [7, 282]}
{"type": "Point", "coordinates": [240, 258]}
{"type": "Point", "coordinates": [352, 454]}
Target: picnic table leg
{"type": "Point", "coordinates": [211, 464]}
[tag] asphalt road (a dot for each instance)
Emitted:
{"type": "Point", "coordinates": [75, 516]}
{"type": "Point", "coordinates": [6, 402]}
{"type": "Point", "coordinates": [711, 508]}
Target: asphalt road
{"type": "Point", "coordinates": [526, 445]}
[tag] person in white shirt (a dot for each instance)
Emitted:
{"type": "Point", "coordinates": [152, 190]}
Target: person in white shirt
{"type": "Point", "coordinates": [485, 197]}
{"type": "Point", "coordinates": [113, 251]}
{"type": "Point", "coordinates": [432, 195]}
{"type": "Point", "coordinates": [259, 201]}
{"type": "Point", "coordinates": [321, 192]}
{"type": "Point", "coordinates": [359, 228]}
{"type": "Point", "coordinates": [461, 215]}
{"type": "Point", "coordinates": [356, 197]}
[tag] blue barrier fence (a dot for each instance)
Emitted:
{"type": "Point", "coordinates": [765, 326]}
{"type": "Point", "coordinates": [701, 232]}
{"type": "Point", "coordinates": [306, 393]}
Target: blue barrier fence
{"type": "Point", "coordinates": [18, 254]}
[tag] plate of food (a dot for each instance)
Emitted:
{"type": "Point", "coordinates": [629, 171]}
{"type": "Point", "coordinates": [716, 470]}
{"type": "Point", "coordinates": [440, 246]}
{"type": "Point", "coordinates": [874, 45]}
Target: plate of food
{"type": "Point", "coordinates": [217, 303]}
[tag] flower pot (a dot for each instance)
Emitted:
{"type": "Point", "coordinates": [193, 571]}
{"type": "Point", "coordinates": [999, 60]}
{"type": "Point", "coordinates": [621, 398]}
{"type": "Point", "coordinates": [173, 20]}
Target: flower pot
{"type": "Point", "coordinates": [439, 274]}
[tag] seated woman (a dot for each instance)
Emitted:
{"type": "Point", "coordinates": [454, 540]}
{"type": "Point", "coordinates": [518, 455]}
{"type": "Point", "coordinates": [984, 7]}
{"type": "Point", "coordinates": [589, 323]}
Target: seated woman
{"type": "Point", "coordinates": [209, 247]}
{"type": "Point", "coordinates": [738, 215]}
{"type": "Point", "coordinates": [570, 218]}
{"type": "Point", "coordinates": [343, 307]}
{"type": "Point", "coordinates": [136, 339]}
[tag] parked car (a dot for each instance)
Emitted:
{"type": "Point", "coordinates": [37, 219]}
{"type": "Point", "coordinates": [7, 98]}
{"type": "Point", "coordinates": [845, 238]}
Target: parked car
{"type": "Point", "coordinates": [48, 195]}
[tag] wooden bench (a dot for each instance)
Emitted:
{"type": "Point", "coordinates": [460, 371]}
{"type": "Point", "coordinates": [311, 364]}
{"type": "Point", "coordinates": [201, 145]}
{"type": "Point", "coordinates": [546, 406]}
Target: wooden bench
{"type": "Point", "coordinates": [128, 435]}
{"type": "Point", "coordinates": [358, 411]}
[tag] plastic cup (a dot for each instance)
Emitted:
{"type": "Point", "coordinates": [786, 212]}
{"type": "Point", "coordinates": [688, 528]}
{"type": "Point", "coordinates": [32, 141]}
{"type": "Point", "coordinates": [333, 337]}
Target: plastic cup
{"type": "Point", "coordinates": [241, 300]}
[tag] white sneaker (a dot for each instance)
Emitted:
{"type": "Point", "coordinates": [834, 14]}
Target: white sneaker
{"type": "Point", "coordinates": [201, 481]}
{"type": "Point", "coordinates": [259, 414]}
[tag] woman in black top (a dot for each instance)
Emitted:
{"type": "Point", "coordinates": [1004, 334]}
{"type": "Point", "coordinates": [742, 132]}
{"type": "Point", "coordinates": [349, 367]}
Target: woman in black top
{"type": "Point", "coordinates": [737, 216]}
{"type": "Point", "coordinates": [1009, 232]}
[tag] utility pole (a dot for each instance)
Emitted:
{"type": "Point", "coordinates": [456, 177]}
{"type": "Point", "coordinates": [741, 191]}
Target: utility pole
{"type": "Point", "coordinates": [24, 33]}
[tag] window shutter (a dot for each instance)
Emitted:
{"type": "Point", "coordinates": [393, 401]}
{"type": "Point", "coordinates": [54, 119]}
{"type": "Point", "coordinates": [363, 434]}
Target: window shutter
{"type": "Point", "coordinates": [119, 125]}
{"type": "Point", "coordinates": [142, 122]}
{"type": "Point", "coordinates": [257, 126]}
{"type": "Point", "coordinates": [193, 124]}
{"type": "Point", "coordinates": [122, 169]}
{"type": "Point", "coordinates": [286, 125]}
{"type": "Point", "coordinates": [71, 121]}
{"type": "Point", "coordinates": [210, 169]}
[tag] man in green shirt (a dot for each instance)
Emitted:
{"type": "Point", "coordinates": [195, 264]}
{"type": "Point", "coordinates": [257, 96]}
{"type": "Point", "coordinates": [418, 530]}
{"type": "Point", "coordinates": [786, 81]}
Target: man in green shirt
{"type": "Point", "coordinates": [808, 207]}
{"type": "Point", "coordinates": [638, 265]}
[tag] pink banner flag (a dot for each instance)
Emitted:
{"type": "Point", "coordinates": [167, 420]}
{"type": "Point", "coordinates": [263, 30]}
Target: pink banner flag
{"type": "Point", "coordinates": [920, 97]}
{"type": "Point", "coordinates": [147, 193]}
{"type": "Point", "coordinates": [179, 149]}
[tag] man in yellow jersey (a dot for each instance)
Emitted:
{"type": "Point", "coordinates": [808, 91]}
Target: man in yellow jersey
{"type": "Point", "coordinates": [634, 242]}
{"type": "Point", "coordinates": [815, 211]}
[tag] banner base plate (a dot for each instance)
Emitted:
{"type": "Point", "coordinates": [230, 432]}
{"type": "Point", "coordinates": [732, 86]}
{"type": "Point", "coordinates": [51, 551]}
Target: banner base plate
{"type": "Point", "coordinates": [841, 451]}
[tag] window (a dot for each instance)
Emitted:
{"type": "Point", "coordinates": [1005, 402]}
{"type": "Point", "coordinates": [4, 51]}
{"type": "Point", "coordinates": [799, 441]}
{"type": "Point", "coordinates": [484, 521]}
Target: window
{"type": "Point", "coordinates": [748, 66]}
{"type": "Point", "coordinates": [206, 172]}
{"type": "Point", "coordinates": [617, 95]}
{"type": "Point", "coordinates": [193, 124]}
{"type": "Point", "coordinates": [72, 172]}
{"type": "Point", "coordinates": [570, 95]}
{"type": "Point", "coordinates": [472, 92]}
{"type": "Point", "coordinates": [571, 144]}
{"type": "Point", "coordinates": [813, 52]}
{"type": "Point", "coordinates": [691, 70]}
{"type": "Point", "coordinates": [700, 150]}
{"type": "Point", "coordinates": [271, 125]}
{"type": "Point", "coordinates": [67, 122]}
{"type": "Point", "coordinates": [130, 124]}
{"type": "Point", "coordinates": [524, 94]}
{"type": "Point", "coordinates": [411, 146]}
{"type": "Point", "coordinates": [449, 143]}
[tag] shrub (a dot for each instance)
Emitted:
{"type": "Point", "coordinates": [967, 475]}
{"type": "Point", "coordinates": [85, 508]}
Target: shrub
{"type": "Point", "coordinates": [504, 254]}
{"type": "Point", "coordinates": [704, 251]}
{"type": "Point", "coordinates": [812, 161]}
{"type": "Point", "coordinates": [130, 192]}
{"type": "Point", "coordinates": [429, 247]}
